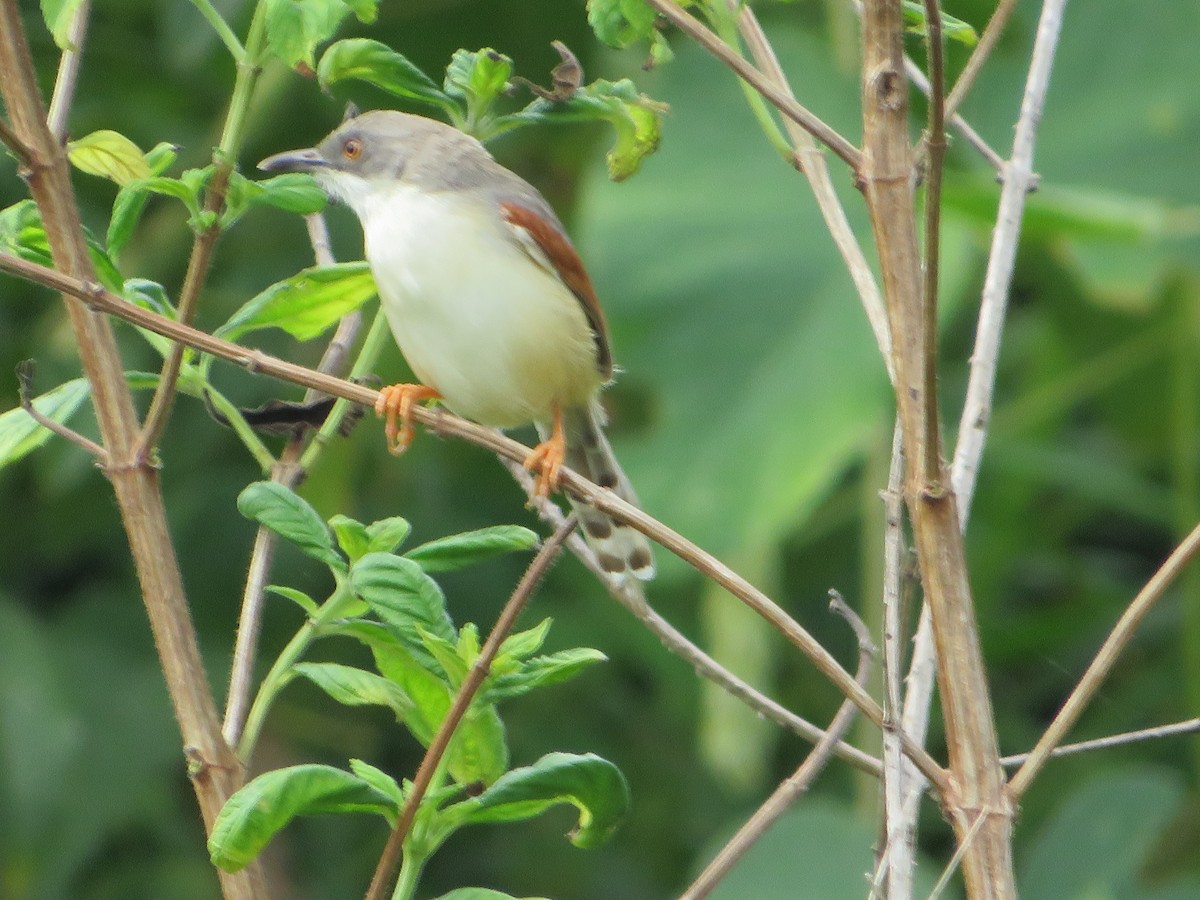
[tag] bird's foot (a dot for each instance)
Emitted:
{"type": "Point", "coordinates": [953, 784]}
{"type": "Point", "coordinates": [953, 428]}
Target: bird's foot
{"type": "Point", "coordinates": [546, 459]}
{"type": "Point", "coordinates": [396, 403]}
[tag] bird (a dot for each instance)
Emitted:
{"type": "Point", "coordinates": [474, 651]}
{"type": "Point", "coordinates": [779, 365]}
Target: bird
{"type": "Point", "coordinates": [487, 299]}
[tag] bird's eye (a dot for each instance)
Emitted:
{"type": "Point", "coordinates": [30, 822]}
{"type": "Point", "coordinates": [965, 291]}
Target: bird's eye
{"type": "Point", "coordinates": [352, 149]}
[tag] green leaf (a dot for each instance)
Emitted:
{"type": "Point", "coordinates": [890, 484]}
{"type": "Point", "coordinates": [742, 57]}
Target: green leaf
{"type": "Point", "coordinates": [131, 200]}
{"type": "Point", "coordinates": [459, 550]}
{"type": "Point", "coordinates": [301, 599]}
{"type": "Point", "coordinates": [296, 27]}
{"type": "Point", "coordinates": [952, 29]}
{"type": "Point", "coordinates": [621, 23]}
{"type": "Point", "coordinates": [110, 155]}
{"type": "Point", "coordinates": [524, 644]}
{"type": "Point", "coordinates": [378, 64]}
{"type": "Point", "coordinates": [290, 516]}
{"type": "Point", "coordinates": [22, 234]}
{"type": "Point", "coordinates": [539, 672]}
{"type": "Point", "coordinates": [253, 815]}
{"type": "Point", "coordinates": [294, 192]}
{"type": "Point", "coordinates": [592, 784]}
{"type": "Point", "coordinates": [378, 779]}
{"type": "Point", "coordinates": [446, 655]}
{"type": "Point", "coordinates": [356, 687]}
{"type": "Point", "coordinates": [351, 535]}
{"type": "Point", "coordinates": [306, 304]}
{"type": "Point", "coordinates": [152, 296]}
{"type": "Point", "coordinates": [636, 118]}
{"type": "Point", "coordinates": [478, 77]}
{"type": "Point", "coordinates": [387, 534]}
{"type": "Point", "coordinates": [58, 15]}
{"type": "Point", "coordinates": [20, 434]}
{"type": "Point", "coordinates": [403, 596]}
{"type": "Point", "coordinates": [478, 752]}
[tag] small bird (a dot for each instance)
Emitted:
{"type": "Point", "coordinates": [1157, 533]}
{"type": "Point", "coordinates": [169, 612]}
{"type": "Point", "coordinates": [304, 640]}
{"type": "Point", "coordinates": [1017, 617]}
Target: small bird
{"type": "Point", "coordinates": [486, 297]}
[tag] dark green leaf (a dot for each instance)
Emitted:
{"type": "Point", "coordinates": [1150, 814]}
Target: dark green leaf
{"type": "Point", "coordinates": [378, 64]}
{"type": "Point", "coordinates": [351, 535]}
{"type": "Point", "coordinates": [287, 514]}
{"type": "Point", "coordinates": [301, 599]}
{"type": "Point", "coordinates": [540, 672]}
{"type": "Point", "coordinates": [387, 534]}
{"type": "Point", "coordinates": [22, 234]}
{"type": "Point", "coordinates": [20, 434]}
{"type": "Point", "coordinates": [306, 304]}
{"type": "Point", "coordinates": [458, 550]}
{"type": "Point", "coordinates": [403, 597]}
{"type": "Point", "coordinates": [356, 687]}
{"type": "Point", "coordinates": [296, 27]}
{"type": "Point", "coordinates": [253, 815]}
{"type": "Point", "coordinates": [592, 784]}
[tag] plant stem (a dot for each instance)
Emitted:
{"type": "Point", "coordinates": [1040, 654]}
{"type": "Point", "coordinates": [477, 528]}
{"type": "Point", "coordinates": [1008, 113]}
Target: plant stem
{"type": "Point", "coordinates": [221, 27]}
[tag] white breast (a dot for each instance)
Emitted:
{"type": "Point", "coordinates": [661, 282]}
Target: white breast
{"type": "Point", "coordinates": [499, 337]}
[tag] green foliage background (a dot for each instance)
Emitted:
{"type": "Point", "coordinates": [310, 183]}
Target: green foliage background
{"type": "Point", "coordinates": [753, 416]}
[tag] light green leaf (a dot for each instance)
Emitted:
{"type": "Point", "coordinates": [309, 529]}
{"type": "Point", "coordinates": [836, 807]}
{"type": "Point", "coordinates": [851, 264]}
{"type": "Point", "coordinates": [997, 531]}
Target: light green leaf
{"type": "Point", "coordinates": [306, 304]}
{"type": "Point", "coordinates": [952, 29]}
{"type": "Point", "coordinates": [459, 550]}
{"type": "Point", "coordinates": [20, 434]}
{"type": "Point", "coordinates": [378, 64]}
{"type": "Point", "coordinates": [478, 77]}
{"type": "Point", "coordinates": [253, 815]}
{"type": "Point", "coordinates": [524, 644]}
{"type": "Point", "coordinates": [294, 192]}
{"type": "Point", "coordinates": [539, 672]}
{"type": "Point", "coordinates": [110, 155]}
{"type": "Point", "coordinates": [356, 687]}
{"type": "Point", "coordinates": [621, 23]}
{"type": "Point", "coordinates": [378, 779]}
{"type": "Point", "coordinates": [387, 534]}
{"type": "Point", "coordinates": [478, 752]}
{"type": "Point", "coordinates": [58, 15]}
{"type": "Point", "coordinates": [296, 27]}
{"type": "Point", "coordinates": [290, 516]}
{"type": "Point", "coordinates": [475, 893]}
{"type": "Point", "coordinates": [592, 784]}
{"type": "Point", "coordinates": [446, 655]}
{"type": "Point", "coordinates": [351, 535]}
{"type": "Point", "coordinates": [301, 599]}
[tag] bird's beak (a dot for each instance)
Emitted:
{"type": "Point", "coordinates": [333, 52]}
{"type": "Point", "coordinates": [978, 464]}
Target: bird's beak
{"type": "Point", "coordinates": [294, 161]}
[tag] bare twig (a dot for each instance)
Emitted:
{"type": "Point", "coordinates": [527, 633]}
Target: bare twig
{"type": "Point", "coordinates": [798, 783]}
{"type": "Point", "coordinates": [628, 592]}
{"type": "Point", "coordinates": [695, 29]}
{"type": "Point", "coordinates": [392, 852]}
{"type": "Point", "coordinates": [442, 422]}
{"type": "Point", "coordinates": [68, 72]}
{"type": "Point", "coordinates": [983, 50]}
{"type": "Point", "coordinates": [13, 142]}
{"type": "Point", "coordinates": [917, 77]}
{"type": "Point", "coordinates": [936, 137]}
{"type": "Point", "coordinates": [25, 392]}
{"type": "Point", "coordinates": [1105, 658]}
{"type": "Point", "coordinates": [1176, 729]}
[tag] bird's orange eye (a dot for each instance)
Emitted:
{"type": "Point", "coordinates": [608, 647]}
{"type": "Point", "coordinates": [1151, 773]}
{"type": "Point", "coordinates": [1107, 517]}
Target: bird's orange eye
{"type": "Point", "coordinates": [352, 149]}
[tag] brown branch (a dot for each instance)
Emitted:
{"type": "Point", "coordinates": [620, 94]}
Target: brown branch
{"type": "Point", "coordinates": [390, 859]}
{"type": "Point", "coordinates": [1106, 657]}
{"type": "Point", "coordinates": [1158, 732]}
{"type": "Point", "coordinates": [781, 99]}
{"type": "Point", "coordinates": [798, 783]}
{"type": "Point", "coordinates": [25, 394]}
{"type": "Point", "coordinates": [216, 772]}
{"type": "Point", "coordinates": [441, 422]}
{"type": "Point", "coordinates": [936, 137]}
{"type": "Point", "coordinates": [977, 778]}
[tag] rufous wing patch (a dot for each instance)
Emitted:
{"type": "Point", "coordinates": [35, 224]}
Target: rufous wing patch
{"type": "Point", "coordinates": [550, 248]}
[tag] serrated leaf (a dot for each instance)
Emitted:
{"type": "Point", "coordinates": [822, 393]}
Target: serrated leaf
{"type": "Point", "coordinates": [253, 815]}
{"type": "Point", "coordinates": [387, 534]}
{"type": "Point", "coordinates": [459, 550]}
{"type": "Point", "coordinates": [296, 27]}
{"type": "Point", "coordinates": [361, 59]}
{"type": "Point", "coordinates": [110, 155]}
{"type": "Point", "coordinates": [306, 304]}
{"type": "Point", "coordinates": [58, 15]}
{"type": "Point", "coordinates": [351, 535]}
{"type": "Point", "coordinates": [356, 687]}
{"type": "Point", "coordinates": [290, 516]}
{"type": "Point", "coordinates": [301, 599]}
{"type": "Point", "coordinates": [540, 672]}
{"type": "Point", "coordinates": [592, 784]}
{"type": "Point", "coordinates": [478, 752]}
{"type": "Point", "coordinates": [20, 434]}
{"type": "Point", "coordinates": [403, 597]}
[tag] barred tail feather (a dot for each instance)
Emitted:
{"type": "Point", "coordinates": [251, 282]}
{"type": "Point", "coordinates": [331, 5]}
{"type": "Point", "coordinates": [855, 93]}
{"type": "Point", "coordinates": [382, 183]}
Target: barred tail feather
{"type": "Point", "coordinates": [620, 549]}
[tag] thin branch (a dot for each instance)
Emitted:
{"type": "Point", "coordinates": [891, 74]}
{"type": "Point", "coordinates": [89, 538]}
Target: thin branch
{"type": "Point", "coordinates": [68, 72]}
{"type": "Point", "coordinates": [13, 142]}
{"type": "Point", "coordinates": [441, 422]}
{"type": "Point", "coordinates": [390, 859]}
{"type": "Point", "coordinates": [695, 29]}
{"type": "Point", "coordinates": [1105, 658]}
{"type": "Point", "coordinates": [25, 372]}
{"type": "Point", "coordinates": [1176, 729]}
{"type": "Point", "coordinates": [936, 136]}
{"type": "Point", "coordinates": [628, 592]}
{"type": "Point", "coordinates": [983, 50]}
{"type": "Point", "coordinates": [917, 77]}
{"type": "Point", "coordinates": [798, 783]}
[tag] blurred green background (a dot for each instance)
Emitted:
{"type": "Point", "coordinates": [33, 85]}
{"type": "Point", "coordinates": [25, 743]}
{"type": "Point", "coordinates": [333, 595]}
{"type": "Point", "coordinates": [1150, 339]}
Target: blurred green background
{"type": "Point", "coordinates": [753, 416]}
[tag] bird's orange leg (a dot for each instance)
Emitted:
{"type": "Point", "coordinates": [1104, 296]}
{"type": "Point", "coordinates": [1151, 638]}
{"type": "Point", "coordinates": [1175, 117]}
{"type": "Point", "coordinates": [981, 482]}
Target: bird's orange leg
{"type": "Point", "coordinates": [396, 401]}
{"type": "Point", "coordinates": [546, 459]}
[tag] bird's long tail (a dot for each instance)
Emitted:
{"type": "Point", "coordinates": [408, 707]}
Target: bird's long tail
{"type": "Point", "coordinates": [620, 549]}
